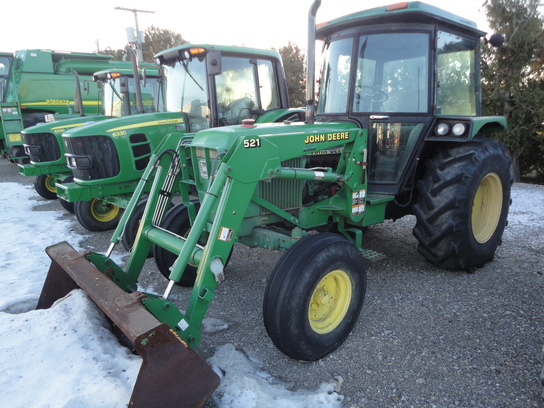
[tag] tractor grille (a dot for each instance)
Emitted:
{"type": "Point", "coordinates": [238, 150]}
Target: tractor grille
{"type": "Point", "coordinates": [141, 149]}
{"type": "Point", "coordinates": [97, 152]}
{"type": "Point", "coordinates": [41, 147]}
{"type": "Point", "coordinates": [283, 193]}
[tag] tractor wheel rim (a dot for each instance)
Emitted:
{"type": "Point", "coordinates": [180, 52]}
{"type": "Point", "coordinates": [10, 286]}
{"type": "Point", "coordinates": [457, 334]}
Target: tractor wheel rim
{"type": "Point", "coordinates": [104, 212]}
{"type": "Point", "coordinates": [50, 184]}
{"type": "Point", "coordinates": [486, 208]}
{"type": "Point", "coordinates": [329, 302]}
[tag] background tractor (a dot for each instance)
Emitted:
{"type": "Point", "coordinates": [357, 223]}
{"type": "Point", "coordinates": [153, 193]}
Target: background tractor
{"type": "Point", "coordinates": [35, 83]}
{"type": "Point", "coordinates": [207, 86]}
{"type": "Point", "coordinates": [120, 95]}
{"type": "Point", "coordinates": [397, 131]}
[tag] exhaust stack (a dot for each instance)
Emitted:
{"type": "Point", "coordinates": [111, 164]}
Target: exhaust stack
{"type": "Point", "coordinates": [310, 64]}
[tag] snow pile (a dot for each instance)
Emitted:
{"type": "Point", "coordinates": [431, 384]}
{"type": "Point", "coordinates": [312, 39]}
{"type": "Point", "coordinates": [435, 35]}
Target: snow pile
{"type": "Point", "coordinates": [66, 356]}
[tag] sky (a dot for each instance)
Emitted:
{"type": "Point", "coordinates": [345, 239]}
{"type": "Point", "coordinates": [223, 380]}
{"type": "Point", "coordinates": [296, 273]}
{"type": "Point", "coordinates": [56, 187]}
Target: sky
{"type": "Point", "coordinates": [67, 25]}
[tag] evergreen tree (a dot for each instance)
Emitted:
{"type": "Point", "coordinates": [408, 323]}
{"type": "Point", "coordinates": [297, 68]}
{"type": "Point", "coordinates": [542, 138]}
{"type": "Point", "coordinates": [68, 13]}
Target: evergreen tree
{"type": "Point", "coordinates": [294, 66]}
{"type": "Point", "coordinates": [512, 77]}
{"type": "Point", "coordinates": [158, 39]}
{"type": "Point", "coordinates": [155, 40]}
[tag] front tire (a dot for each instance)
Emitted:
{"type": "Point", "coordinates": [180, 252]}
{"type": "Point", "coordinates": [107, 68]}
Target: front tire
{"type": "Point", "coordinates": [463, 203]}
{"type": "Point", "coordinates": [314, 296]}
{"type": "Point", "coordinates": [177, 221]}
{"type": "Point", "coordinates": [68, 205]}
{"type": "Point", "coordinates": [44, 184]}
{"type": "Point", "coordinates": [97, 216]}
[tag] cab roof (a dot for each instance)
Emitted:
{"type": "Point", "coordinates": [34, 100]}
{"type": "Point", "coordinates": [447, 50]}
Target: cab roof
{"type": "Point", "coordinates": [405, 12]}
{"type": "Point", "coordinates": [175, 52]}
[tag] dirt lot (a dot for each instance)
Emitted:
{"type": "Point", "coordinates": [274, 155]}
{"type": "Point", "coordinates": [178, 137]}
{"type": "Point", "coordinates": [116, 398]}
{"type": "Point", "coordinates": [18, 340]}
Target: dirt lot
{"type": "Point", "coordinates": [426, 337]}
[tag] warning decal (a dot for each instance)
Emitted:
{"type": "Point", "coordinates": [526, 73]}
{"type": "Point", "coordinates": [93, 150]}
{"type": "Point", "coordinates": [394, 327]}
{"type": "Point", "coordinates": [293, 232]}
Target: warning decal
{"type": "Point", "coordinates": [225, 234]}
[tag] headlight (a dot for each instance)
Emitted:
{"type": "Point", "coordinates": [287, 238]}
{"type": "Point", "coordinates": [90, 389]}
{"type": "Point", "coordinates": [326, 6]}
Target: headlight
{"type": "Point", "coordinates": [442, 129]}
{"type": "Point", "coordinates": [451, 128]}
{"type": "Point", "coordinates": [79, 162]}
{"type": "Point", "coordinates": [203, 169]}
{"type": "Point", "coordinates": [458, 129]}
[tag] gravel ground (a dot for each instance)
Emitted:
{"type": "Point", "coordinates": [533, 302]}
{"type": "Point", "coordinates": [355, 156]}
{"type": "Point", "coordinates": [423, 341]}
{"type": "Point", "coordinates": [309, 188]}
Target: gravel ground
{"type": "Point", "coordinates": [426, 337]}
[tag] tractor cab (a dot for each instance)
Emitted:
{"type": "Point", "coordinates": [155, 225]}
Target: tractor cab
{"type": "Point", "coordinates": [408, 73]}
{"type": "Point", "coordinates": [119, 93]}
{"type": "Point", "coordinates": [220, 86]}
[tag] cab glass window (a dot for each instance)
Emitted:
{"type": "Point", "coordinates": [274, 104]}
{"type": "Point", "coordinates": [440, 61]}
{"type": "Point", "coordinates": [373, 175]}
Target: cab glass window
{"type": "Point", "coordinates": [392, 73]}
{"type": "Point", "coordinates": [333, 92]}
{"type": "Point", "coordinates": [456, 92]}
{"type": "Point", "coordinates": [187, 91]}
{"type": "Point", "coordinates": [244, 85]}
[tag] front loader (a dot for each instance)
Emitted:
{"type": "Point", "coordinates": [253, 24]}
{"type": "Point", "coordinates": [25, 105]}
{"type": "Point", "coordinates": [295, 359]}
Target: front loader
{"type": "Point", "coordinates": [397, 131]}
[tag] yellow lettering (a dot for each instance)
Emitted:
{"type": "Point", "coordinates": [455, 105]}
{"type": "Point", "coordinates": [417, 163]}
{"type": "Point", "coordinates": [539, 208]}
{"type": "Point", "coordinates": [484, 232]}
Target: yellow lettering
{"type": "Point", "coordinates": [314, 139]}
{"type": "Point", "coordinates": [338, 136]}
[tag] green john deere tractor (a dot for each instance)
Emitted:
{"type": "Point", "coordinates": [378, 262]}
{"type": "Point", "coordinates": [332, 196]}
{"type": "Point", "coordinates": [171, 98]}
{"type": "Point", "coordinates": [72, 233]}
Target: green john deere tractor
{"type": "Point", "coordinates": [36, 83]}
{"type": "Point", "coordinates": [207, 86]}
{"type": "Point", "coordinates": [120, 95]}
{"type": "Point", "coordinates": [397, 131]}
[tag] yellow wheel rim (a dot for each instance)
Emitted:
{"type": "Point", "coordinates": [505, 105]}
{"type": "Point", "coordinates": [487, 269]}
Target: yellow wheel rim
{"type": "Point", "coordinates": [50, 184]}
{"type": "Point", "coordinates": [103, 212]}
{"type": "Point", "coordinates": [486, 208]}
{"type": "Point", "coordinates": [330, 301]}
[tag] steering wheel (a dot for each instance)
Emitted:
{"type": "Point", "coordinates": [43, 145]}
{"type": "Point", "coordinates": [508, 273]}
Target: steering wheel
{"type": "Point", "coordinates": [377, 96]}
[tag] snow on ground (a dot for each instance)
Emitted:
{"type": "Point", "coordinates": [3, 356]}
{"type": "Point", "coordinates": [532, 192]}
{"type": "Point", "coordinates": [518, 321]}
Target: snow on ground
{"type": "Point", "coordinates": [67, 357]}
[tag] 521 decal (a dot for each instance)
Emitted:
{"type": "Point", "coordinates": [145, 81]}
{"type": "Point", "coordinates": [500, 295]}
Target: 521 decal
{"type": "Point", "coordinates": [252, 143]}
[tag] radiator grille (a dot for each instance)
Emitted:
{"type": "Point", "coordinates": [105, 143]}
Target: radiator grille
{"type": "Point", "coordinates": [102, 153]}
{"type": "Point", "coordinates": [283, 193]}
{"type": "Point", "coordinates": [42, 147]}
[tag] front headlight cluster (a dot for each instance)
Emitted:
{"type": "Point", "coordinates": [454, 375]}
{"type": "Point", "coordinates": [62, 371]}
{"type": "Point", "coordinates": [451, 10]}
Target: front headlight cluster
{"type": "Point", "coordinates": [205, 156]}
{"type": "Point", "coordinates": [78, 162]}
{"type": "Point", "coordinates": [451, 128]}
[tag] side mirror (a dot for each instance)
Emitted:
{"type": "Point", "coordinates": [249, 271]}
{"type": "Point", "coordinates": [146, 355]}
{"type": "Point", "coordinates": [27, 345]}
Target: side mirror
{"type": "Point", "coordinates": [496, 40]}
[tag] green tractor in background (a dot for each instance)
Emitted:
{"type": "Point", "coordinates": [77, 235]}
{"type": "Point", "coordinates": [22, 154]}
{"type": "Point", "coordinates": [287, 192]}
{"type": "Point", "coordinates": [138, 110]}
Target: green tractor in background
{"type": "Point", "coordinates": [397, 130]}
{"type": "Point", "coordinates": [36, 83]}
{"type": "Point", "coordinates": [120, 95]}
{"type": "Point", "coordinates": [207, 86]}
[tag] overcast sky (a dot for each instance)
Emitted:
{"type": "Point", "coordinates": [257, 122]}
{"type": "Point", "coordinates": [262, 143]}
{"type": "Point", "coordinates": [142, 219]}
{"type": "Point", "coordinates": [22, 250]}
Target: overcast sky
{"type": "Point", "coordinates": [73, 25]}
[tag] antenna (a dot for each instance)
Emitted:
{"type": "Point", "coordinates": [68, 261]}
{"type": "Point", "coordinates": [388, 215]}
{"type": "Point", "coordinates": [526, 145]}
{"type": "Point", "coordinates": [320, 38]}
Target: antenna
{"type": "Point", "coordinates": [139, 36]}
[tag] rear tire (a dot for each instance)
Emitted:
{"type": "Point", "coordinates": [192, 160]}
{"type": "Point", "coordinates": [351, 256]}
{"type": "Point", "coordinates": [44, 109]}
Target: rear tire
{"type": "Point", "coordinates": [463, 202]}
{"type": "Point", "coordinates": [96, 215]}
{"type": "Point", "coordinates": [44, 184]}
{"type": "Point", "coordinates": [177, 221]}
{"type": "Point", "coordinates": [314, 296]}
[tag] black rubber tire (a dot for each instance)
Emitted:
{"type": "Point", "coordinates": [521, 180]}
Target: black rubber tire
{"type": "Point", "coordinates": [44, 184]}
{"type": "Point", "coordinates": [177, 221]}
{"type": "Point", "coordinates": [446, 227]}
{"type": "Point", "coordinates": [97, 217]}
{"type": "Point", "coordinates": [68, 205]}
{"type": "Point", "coordinates": [32, 119]}
{"type": "Point", "coordinates": [133, 223]}
{"type": "Point", "coordinates": [296, 281]}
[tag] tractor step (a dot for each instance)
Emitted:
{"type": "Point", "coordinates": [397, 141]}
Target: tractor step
{"type": "Point", "coordinates": [372, 256]}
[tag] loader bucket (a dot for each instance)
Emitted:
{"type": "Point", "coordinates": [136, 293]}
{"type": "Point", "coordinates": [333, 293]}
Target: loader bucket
{"type": "Point", "coordinates": [171, 375]}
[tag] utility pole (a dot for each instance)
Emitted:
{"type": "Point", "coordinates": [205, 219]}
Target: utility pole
{"type": "Point", "coordinates": [139, 37]}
